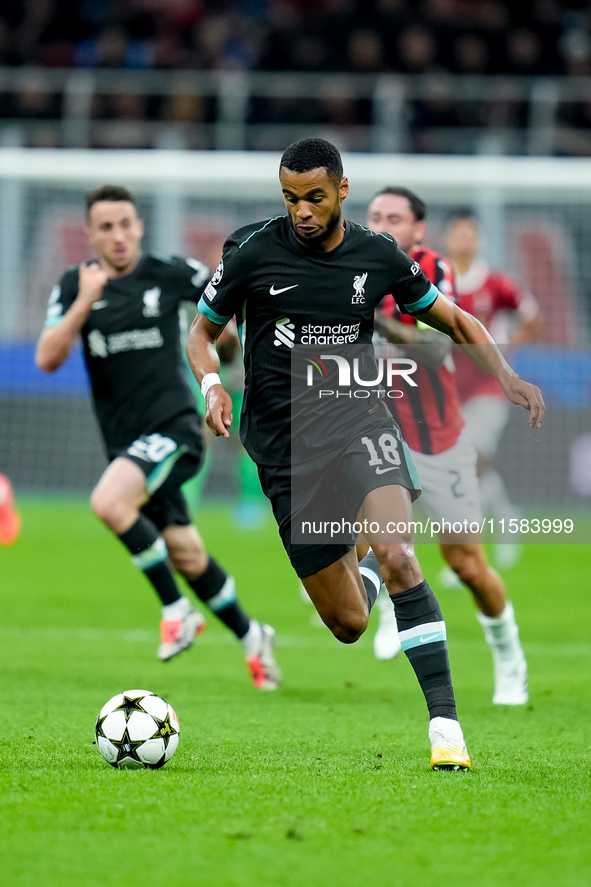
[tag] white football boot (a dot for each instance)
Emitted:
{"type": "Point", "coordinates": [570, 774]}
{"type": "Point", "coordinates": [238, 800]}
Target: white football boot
{"type": "Point", "coordinates": [177, 635]}
{"type": "Point", "coordinates": [259, 647]}
{"type": "Point", "coordinates": [448, 749]}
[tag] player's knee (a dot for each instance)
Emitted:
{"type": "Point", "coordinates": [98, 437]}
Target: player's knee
{"type": "Point", "coordinates": [348, 633]}
{"type": "Point", "coordinates": [103, 505]}
{"type": "Point", "coordinates": [114, 512]}
{"type": "Point", "coordinates": [190, 563]}
{"type": "Point", "coordinates": [399, 566]}
{"type": "Point", "coordinates": [348, 626]}
{"type": "Point", "coordinates": [467, 567]}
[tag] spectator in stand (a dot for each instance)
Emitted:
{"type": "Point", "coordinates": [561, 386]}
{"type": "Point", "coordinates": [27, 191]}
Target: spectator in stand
{"type": "Point", "coordinates": [34, 101]}
{"type": "Point", "coordinates": [470, 55]}
{"type": "Point", "coordinates": [489, 36]}
{"type": "Point", "coordinates": [125, 116]}
{"type": "Point", "coordinates": [365, 52]}
{"type": "Point", "coordinates": [416, 51]}
{"type": "Point", "coordinates": [524, 53]}
{"type": "Point", "coordinates": [113, 48]}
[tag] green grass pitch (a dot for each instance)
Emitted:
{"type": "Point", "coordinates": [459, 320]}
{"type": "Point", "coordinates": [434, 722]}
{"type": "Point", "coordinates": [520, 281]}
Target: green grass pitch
{"type": "Point", "coordinates": [324, 782]}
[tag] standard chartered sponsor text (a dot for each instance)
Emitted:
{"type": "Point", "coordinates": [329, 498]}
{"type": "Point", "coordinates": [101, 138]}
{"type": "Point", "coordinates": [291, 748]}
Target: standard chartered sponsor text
{"type": "Point", "coordinates": [135, 340]}
{"type": "Point", "coordinates": [329, 334]}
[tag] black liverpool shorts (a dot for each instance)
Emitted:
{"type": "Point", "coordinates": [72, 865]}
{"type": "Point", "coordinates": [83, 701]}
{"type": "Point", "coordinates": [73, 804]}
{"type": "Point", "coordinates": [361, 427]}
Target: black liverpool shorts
{"type": "Point", "coordinates": [168, 456]}
{"type": "Point", "coordinates": [332, 489]}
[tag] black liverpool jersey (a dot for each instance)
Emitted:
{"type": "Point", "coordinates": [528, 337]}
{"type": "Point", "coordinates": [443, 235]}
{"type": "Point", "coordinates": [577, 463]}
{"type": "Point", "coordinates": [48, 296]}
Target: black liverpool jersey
{"type": "Point", "coordinates": [288, 295]}
{"type": "Point", "coordinates": [132, 344]}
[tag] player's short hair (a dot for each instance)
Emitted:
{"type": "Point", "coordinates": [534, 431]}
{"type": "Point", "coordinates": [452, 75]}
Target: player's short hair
{"type": "Point", "coordinates": [308, 154]}
{"type": "Point", "coordinates": [418, 206]}
{"type": "Point", "coordinates": [462, 212]}
{"type": "Point", "coordinates": [113, 193]}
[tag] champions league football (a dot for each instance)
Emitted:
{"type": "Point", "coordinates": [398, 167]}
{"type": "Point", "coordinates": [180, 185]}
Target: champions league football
{"type": "Point", "coordinates": [137, 730]}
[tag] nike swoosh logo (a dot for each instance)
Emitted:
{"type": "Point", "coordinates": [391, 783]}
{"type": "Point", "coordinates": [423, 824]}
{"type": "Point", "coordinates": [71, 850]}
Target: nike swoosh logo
{"type": "Point", "coordinates": [384, 470]}
{"type": "Point", "coordinates": [430, 638]}
{"type": "Point", "coordinates": [101, 304]}
{"type": "Point", "coordinates": [275, 292]}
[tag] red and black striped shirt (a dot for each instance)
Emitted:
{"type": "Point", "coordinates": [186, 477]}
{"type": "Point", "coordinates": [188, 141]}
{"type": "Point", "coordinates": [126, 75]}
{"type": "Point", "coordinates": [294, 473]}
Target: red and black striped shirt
{"type": "Point", "coordinates": [429, 415]}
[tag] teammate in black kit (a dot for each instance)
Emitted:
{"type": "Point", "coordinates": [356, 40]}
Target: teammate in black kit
{"type": "Point", "coordinates": [125, 306]}
{"type": "Point", "coordinates": [312, 278]}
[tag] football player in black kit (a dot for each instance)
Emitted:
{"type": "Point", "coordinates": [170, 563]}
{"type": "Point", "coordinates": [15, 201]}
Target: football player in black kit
{"type": "Point", "coordinates": [311, 272]}
{"type": "Point", "coordinates": [125, 305]}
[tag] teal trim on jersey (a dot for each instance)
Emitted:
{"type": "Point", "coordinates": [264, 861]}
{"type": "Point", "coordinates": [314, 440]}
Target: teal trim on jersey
{"type": "Point", "coordinates": [425, 302]}
{"type": "Point", "coordinates": [416, 482]}
{"type": "Point", "coordinates": [225, 596]}
{"type": "Point", "coordinates": [208, 312]}
{"type": "Point", "coordinates": [420, 635]}
{"type": "Point", "coordinates": [53, 321]}
{"type": "Point", "coordinates": [258, 230]}
{"type": "Point", "coordinates": [155, 554]}
{"type": "Point", "coordinates": [383, 234]}
{"type": "Point", "coordinates": [240, 328]}
{"type": "Point", "coordinates": [157, 477]}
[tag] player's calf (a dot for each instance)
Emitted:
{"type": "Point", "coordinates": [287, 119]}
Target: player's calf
{"type": "Point", "coordinates": [469, 563]}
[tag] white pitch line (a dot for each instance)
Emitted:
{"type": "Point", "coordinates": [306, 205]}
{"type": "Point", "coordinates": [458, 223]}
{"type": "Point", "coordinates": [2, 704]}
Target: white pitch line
{"type": "Point", "coordinates": [142, 636]}
{"type": "Point", "coordinates": [319, 640]}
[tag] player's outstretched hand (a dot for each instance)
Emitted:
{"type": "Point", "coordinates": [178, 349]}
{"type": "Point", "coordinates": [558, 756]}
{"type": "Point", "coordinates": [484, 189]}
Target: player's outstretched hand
{"type": "Point", "coordinates": [525, 395]}
{"type": "Point", "coordinates": [218, 414]}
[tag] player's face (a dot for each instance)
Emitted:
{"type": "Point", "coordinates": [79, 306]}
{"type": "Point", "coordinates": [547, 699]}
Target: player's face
{"type": "Point", "coordinates": [462, 239]}
{"type": "Point", "coordinates": [314, 203]}
{"type": "Point", "coordinates": [115, 231]}
{"type": "Point", "coordinates": [392, 214]}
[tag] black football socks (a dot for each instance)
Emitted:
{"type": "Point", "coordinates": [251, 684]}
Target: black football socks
{"type": "Point", "coordinates": [149, 553]}
{"type": "Point", "coordinates": [218, 591]}
{"type": "Point", "coordinates": [423, 637]}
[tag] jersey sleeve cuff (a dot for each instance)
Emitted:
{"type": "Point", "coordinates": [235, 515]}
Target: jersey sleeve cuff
{"type": "Point", "coordinates": [212, 315]}
{"type": "Point", "coordinates": [424, 303]}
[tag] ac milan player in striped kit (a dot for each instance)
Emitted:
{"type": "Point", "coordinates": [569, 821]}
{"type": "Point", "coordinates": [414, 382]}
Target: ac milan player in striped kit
{"type": "Point", "coordinates": [431, 422]}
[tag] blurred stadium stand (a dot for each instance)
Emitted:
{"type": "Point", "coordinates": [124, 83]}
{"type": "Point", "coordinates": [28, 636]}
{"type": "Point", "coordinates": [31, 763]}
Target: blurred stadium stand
{"type": "Point", "coordinates": [438, 76]}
